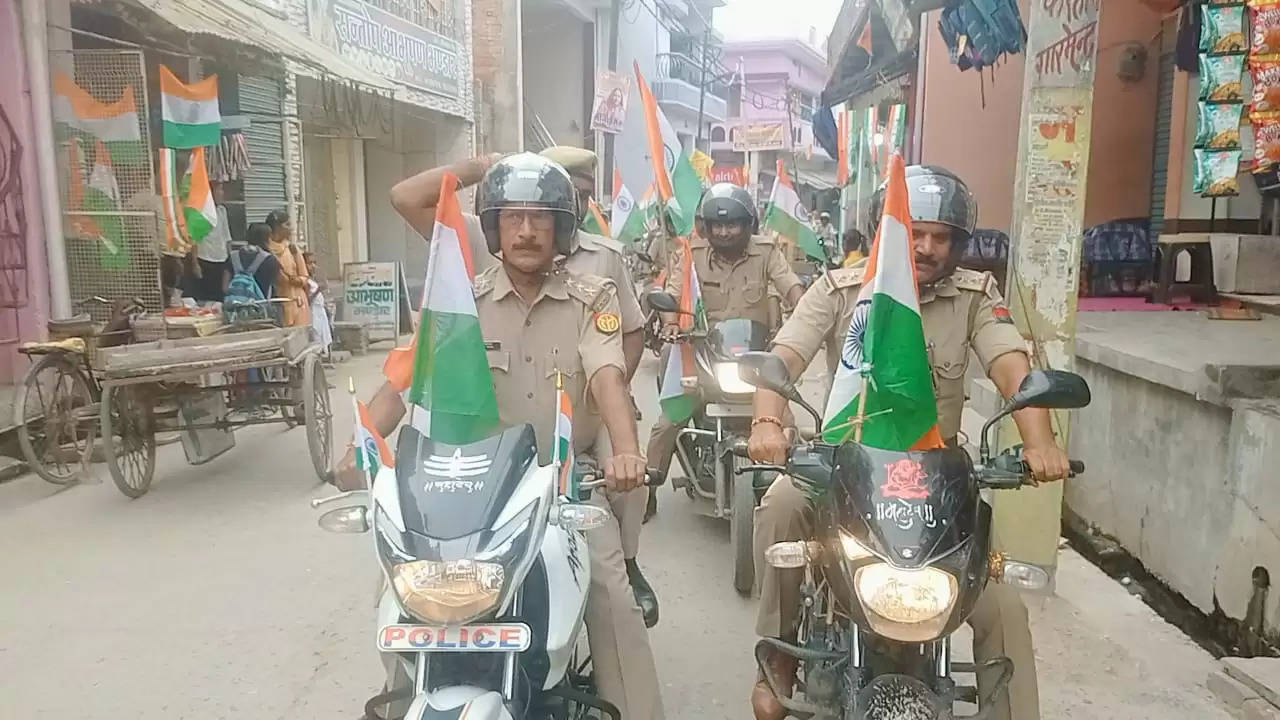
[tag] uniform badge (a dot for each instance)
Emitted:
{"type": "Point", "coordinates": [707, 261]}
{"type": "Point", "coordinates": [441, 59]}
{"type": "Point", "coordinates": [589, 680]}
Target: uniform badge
{"type": "Point", "coordinates": [1002, 314]}
{"type": "Point", "coordinates": [608, 323]}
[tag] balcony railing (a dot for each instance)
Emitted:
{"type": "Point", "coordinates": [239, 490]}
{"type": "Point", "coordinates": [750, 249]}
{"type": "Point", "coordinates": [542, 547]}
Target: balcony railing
{"type": "Point", "coordinates": [678, 66]}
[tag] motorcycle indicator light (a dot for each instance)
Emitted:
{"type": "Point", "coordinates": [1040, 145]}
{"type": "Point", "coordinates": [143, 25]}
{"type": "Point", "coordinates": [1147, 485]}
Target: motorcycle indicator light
{"type": "Point", "coordinates": [905, 596]}
{"type": "Point", "coordinates": [1024, 576]}
{"type": "Point", "coordinates": [787, 555]}
{"type": "Point", "coordinates": [452, 592]}
{"type": "Point", "coordinates": [730, 382]}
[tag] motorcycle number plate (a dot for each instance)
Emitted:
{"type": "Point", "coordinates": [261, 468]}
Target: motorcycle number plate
{"type": "Point", "coordinates": [727, 410]}
{"type": "Point", "coordinates": [502, 637]}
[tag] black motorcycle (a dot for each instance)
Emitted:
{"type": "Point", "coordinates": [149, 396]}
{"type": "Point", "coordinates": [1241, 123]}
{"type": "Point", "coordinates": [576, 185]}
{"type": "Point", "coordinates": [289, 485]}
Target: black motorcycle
{"type": "Point", "coordinates": [704, 447]}
{"type": "Point", "coordinates": [900, 556]}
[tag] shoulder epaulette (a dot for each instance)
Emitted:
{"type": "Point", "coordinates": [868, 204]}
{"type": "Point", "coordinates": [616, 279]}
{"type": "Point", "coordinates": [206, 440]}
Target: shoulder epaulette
{"type": "Point", "coordinates": [847, 277]}
{"type": "Point", "coordinates": [591, 290]}
{"type": "Point", "coordinates": [484, 281]}
{"type": "Point", "coordinates": [972, 280]}
{"type": "Point", "coordinates": [591, 241]}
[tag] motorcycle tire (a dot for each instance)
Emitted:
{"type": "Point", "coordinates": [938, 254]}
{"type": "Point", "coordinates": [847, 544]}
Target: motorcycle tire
{"type": "Point", "coordinates": [741, 524]}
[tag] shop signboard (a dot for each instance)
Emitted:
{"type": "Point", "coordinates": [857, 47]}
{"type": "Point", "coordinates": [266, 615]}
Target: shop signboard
{"type": "Point", "coordinates": [760, 137]}
{"type": "Point", "coordinates": [372, 295]}
{"type": "Point", "coordinates": [395, 48]}
{"type": "Point", "coordinates": [736, 174]}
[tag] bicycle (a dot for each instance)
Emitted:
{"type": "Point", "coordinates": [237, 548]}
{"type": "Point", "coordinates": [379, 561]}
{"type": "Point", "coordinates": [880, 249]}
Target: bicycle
{"type": "Point", "coordinates": [56, 410]}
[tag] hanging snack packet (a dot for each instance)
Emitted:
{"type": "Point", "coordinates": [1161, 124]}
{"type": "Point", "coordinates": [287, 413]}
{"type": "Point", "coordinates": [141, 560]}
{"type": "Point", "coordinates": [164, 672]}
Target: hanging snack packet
{"type": "Point", "coordinates": [1265, 40]}
{"type": "Point", "coordinates": [1219, 127]}
{"type": "Point", "coordinates": [1266, 86]}
{"type": "Point", "coordinates": [1220, 78]}
{"type": "Point", "coordinates": [1222, 31]}
{"type": "Point", "coordinates": [1216, 172]}
{"type": "Point", "coordinates": [1266, 143]}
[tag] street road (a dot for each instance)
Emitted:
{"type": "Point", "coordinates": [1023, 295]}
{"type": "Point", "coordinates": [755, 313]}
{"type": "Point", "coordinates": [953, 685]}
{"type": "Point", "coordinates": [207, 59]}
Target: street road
{"type": "Point", "coordinates": [216, 596]}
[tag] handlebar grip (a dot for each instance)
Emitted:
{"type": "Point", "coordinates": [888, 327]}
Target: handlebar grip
{"type": "Point", "coordinates": [653, 478]}
{"type": "Point", "coordinates": [1077, 467]}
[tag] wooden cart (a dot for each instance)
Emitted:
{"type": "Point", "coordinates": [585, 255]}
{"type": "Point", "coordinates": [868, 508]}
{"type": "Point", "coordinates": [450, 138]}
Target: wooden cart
{"type": "Point", "coordinates": [205, 388]}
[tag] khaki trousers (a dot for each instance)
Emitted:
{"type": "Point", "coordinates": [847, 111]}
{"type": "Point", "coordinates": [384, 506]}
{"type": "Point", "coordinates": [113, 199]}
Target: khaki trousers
{"type": "Point", "coordinates": [625, 672]}
{"type": "Point", "coordinates": [999, 619]}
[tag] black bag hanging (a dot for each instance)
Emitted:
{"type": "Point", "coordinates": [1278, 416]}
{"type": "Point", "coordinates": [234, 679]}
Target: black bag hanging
{"type": "Point", "coordinates": [1187, 51]}
{"type": "Point", "coordinates": [980, 32]}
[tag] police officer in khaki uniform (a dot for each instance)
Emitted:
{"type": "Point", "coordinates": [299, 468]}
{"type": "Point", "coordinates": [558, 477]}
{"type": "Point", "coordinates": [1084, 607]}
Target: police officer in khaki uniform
{"type": "Point", "coordinates": [735, 269]}
{"type": "Point", "coordinates": [961, 311]}
{"type": "Point", "coordinates": [415, 199]}
{"type": "Point", "coordinates": [541, 320]}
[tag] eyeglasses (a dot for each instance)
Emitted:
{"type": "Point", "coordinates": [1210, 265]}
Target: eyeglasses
{"type": "Point", "coordinates": [538, 219]}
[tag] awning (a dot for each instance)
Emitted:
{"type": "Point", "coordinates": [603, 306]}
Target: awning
{"type": "Point", "coordinates": [816, 179]}
{"type": "Point", "coordinates": [240, 22]}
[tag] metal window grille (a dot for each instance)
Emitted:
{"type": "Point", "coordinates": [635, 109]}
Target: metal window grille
{"type": "Point", "coordinates": [112, 246]}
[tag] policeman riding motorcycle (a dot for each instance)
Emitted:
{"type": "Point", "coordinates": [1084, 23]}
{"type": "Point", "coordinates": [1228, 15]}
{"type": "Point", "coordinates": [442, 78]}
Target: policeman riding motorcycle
{"type": "Point", "coordinates": [734, 269]}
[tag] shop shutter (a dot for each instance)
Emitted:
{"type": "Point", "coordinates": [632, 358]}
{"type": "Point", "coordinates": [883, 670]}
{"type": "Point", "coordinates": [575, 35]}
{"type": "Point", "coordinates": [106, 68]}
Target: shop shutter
{"type": "Point", "coordinates": [264, 186]}
{"type": "Point", "coordinates": [1164, 120]}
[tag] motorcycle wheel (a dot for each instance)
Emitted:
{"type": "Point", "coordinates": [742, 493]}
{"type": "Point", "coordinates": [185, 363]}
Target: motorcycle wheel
{"type": "Point", "coordinates": [741, 517]}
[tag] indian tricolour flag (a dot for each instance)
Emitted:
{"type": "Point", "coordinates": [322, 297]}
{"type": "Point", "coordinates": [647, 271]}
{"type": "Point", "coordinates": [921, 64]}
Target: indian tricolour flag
{"type": "Point", "coordinates": [628, 225]}
{"type": "Point", "coordinates": [115, 123]}
{"type": "Point", "coordinates": [451, 394]}
{"type": "Point", "coordinates": [679, 186]}
{"type": "Point", "coordinates": [372, 451]}
{"type": "Point", "coordinates": [676, 392]}
{"type": "Point", "coordinates": [787, 216]}
{"type": "Point", "coordinates": [190, 112]}
{"type": "Point", "coordinates": [563, 450]}
{"type": "Point", "coordinates": [199, 210]}
{"type": "Point", "coordinates": [884, 376]}
{"type": "Point", "coordinates": [594, 222]}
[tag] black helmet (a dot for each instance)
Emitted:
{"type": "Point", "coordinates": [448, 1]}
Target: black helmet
{"type": "Point", "coordinates": [727, 203]}
{"type": "Point", "coordinates": [935, 195]}
{"type": "Point", "coordinates": [528, 181]}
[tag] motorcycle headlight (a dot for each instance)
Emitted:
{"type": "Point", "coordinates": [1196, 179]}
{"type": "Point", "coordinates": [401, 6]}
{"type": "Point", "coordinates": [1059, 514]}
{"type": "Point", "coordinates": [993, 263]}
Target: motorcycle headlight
{"type": "Point", "coordinates": [451, 592]}
{"type": "Point", "coordinates": [909, 597]}
{"type": "Point", "coordinates": [729, 381]}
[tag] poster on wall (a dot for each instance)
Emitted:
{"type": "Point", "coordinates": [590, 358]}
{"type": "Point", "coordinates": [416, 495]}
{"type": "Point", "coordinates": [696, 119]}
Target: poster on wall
{"type": "Point", "coordinates": [609, 110]}
{"type": "Point", "coordinates": [372, 297]}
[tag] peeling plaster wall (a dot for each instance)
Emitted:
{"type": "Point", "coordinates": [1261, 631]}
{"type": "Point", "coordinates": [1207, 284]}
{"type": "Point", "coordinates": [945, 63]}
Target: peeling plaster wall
{"type": "Point", "coordinates": [1187, 487]}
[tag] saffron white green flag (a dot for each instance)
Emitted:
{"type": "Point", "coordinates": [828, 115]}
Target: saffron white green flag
{"type": "Point", "coordinates": [679, 186]}
{"type": "Point", "coordinates": [787, 216]}
{"type": "Point", "coordinates": [676, 393]}
{"type": "Point", "coordinates": [190, 112]}
{"type": "Point", "coordinates": [563, 450]}
{"type": "Point", "coordinates": [372, 451]}
{"type": "Point", "coordinates": [884, 375]}
{"type": "Point", "coordinates": [199, 211]}
{"type": "Point", "coordinates": [102, 195]}
{"type": "Point", "coordinates": [451, 395]}
{"type": "Point", "coordinates": [628, 225]}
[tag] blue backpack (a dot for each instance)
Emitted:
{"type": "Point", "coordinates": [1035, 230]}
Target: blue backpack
{"type": "Point", "coordinates": [243, 291]}
{"type": "Point", "coordinates": [980, 32]}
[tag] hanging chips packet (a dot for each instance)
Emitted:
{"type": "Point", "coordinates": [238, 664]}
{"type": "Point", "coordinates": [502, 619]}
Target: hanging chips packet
{"type": "Point", "coordinates": [1222, 31]}
{"type": "Point", "coordinates": [1266, 143]}
{"type": "Point", "coordinates": [1219, 127]}
{"type": "Point", "coordinates": [1216, 172]}
{"type": "Point", "coordinates": [1220, 78]}
{"type": "Point", "coordinates": [1265, 36]}
{"type": "Point", "coordinates": [1266, 87]}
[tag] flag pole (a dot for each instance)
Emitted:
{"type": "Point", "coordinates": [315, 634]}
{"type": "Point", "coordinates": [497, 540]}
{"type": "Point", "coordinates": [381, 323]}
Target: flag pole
{"type": "Point", "coordinates": [355, 414]}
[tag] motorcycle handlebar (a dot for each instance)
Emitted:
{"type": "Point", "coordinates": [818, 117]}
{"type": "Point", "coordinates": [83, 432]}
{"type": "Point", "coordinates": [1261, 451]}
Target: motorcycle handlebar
{"type": "Point", "coordinates": [652, 478]}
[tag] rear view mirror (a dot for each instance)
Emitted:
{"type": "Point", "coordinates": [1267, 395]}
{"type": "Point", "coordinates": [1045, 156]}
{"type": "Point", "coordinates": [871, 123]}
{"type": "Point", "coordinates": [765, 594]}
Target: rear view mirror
{"type": "Point", "coordinates": [766, 371]}
{"type": "Point", "coordinates": [346, 520]}
{"type": "Point", "coordinates": [662, 301]}
{"type": "Point", "coordinates": [1055, 389]}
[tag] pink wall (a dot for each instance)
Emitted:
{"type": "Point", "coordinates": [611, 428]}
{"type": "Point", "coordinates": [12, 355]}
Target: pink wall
{"type": "Point", "coordinates": [980, 142]}
{"type": "Point", "coordinates": [14, 99]}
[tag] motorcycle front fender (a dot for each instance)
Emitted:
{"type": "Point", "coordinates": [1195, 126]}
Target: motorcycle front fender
{"type": "Point", "coordinates": [457, 702]}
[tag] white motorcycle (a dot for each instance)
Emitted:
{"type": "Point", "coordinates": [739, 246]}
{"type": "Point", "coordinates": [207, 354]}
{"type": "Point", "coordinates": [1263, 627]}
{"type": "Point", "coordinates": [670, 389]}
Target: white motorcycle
{"type": "Point", "coordinates": [485, 581]}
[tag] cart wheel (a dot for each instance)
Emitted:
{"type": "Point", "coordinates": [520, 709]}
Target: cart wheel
{"type": "Point", "coordinates": [318, 416]}
{"type": "Point", "coordinates": [289, 413]}
{"type": "Point", "coordinates": [54, 413]}
{"type": "Point", "coordinates": [129, 439]}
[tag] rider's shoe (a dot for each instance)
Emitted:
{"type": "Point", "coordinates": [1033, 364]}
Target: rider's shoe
{"type": "Point", "coordinates": [645, 597]}
{"type": "Point", "coordinates": [764, 703]}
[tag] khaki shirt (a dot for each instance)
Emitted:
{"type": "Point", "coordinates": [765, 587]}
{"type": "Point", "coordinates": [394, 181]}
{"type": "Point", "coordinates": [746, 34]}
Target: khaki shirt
{"type": "Point", "coordinates": [738, 289]}
{"type": "Point", "coordinates": [596, 255]}
{"type": "Point", "coordinates": [961, 311]}
{"type": "Point", "coordinates": [559, 331]}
